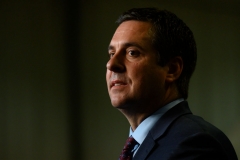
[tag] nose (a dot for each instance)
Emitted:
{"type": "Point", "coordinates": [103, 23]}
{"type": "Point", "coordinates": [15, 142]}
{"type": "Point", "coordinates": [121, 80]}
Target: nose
{"type": "Point", "coordinates": [116, 64]}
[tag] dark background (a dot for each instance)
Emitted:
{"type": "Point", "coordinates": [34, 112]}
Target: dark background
{"type": "Point", "coordinates": [53, 98]}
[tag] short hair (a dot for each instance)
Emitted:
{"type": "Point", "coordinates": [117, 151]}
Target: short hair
{"type": "Point", "coordinates": [171, 38]}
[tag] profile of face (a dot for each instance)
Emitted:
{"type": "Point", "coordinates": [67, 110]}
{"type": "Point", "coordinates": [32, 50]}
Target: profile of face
{"type": "Point", "coordinates": [134, 78]}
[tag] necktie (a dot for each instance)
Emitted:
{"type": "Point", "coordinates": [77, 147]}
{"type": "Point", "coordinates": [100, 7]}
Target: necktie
{"type": "Point", "coordinates": [128, 149]}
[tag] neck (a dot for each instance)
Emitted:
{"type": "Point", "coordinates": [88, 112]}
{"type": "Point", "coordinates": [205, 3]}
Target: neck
{"type": "Point", "coordinates": [135, 115]}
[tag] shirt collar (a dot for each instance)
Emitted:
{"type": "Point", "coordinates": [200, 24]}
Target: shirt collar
{"type": "Point", "coordinates": [145, 126]}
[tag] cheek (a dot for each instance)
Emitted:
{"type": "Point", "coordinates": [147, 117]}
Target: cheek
{"type": "Point", "coordinates": [147, 77]}
{"type": "Point", "coordinates": [141, 70]}
{"type": "Point", "coordinates": [134, 72]}
{"type": "Point", "coordinates": [108, 74]}
{"type": "Point", "coordinates": [140, 75]}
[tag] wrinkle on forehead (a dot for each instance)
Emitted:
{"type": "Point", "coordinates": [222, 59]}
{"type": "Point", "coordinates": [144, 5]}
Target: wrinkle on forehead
{"type": "Point", "coordinates": [136, 26]}
{"type": "Point", "coordinates": [132, 32]}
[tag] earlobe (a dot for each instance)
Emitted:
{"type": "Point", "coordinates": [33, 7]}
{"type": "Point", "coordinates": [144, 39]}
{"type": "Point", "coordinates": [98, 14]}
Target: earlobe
{"type": "Point", "coordinates": [175, 67]}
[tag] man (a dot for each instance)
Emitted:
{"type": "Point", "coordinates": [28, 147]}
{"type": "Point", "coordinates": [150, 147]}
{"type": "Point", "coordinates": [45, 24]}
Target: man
{"type": "Point", "coordinates": [152, 57]}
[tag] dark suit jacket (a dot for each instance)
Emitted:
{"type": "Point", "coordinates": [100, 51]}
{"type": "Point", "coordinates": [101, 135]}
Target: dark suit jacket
{"type": "Point", "coordinates": [180, 135]}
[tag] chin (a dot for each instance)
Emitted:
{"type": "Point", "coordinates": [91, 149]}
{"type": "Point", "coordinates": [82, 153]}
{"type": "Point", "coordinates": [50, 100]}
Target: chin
{"type": "Point", "coordinates": [122, 105]}
{"type": "Point", "coordinates": [118, 104]}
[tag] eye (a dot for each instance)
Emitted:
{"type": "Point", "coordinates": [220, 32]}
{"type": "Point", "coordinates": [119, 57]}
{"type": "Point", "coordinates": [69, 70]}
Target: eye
{"type": "Point", "coordinates": [133, 53]}
{"type": "Point", "coordinates": [111, 55]}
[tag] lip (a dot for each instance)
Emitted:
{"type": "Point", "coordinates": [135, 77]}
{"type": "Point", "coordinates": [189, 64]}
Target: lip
{"type": "Point", "coordinates": [117, 83]}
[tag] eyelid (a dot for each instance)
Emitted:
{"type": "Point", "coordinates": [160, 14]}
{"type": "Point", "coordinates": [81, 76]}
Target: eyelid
{"type": "Point", "coordinates": [134, 51]}
{"type": "Point", "coordinates": [111, 54]}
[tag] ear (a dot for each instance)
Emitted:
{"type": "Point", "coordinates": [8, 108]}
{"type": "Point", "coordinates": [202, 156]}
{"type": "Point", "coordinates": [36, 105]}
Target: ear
{"type": "Point", "coordinates": [175, 67]}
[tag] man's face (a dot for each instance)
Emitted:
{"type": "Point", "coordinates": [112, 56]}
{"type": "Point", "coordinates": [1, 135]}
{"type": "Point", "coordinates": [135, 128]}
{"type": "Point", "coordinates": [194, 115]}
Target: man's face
{"type": "Point", "coordinates": [134, 79]}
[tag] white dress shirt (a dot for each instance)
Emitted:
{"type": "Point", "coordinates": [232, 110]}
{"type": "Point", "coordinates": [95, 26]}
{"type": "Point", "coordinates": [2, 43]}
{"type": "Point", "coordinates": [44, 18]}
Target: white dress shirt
{"type": "Point", "coordinates": [145, 126]}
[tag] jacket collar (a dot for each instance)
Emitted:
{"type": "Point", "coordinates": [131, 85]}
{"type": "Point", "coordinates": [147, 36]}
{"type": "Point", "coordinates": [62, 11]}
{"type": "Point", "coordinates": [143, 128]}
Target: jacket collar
{"type": "Point", "coordinates": [160, 127]}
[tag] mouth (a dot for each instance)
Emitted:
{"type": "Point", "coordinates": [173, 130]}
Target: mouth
{"type": "Point", "coordinates": [117, 83]}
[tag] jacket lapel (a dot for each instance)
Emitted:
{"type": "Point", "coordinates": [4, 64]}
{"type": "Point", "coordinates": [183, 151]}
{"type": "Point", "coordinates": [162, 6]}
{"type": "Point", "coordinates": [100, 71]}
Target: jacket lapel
{"type": "Point", "coordinates": [159, 129]}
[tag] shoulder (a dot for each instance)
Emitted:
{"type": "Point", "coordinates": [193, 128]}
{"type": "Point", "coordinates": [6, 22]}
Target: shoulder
{"type": "Point", "coordinates": [181, 120]}
{"type": "Point", "coordinates": [191, 137]}
{"type": "Point", "coordinates": [179, 134]}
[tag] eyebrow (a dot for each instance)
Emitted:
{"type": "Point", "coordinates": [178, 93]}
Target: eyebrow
{"type": "Point", "coordinates": [125, 45]}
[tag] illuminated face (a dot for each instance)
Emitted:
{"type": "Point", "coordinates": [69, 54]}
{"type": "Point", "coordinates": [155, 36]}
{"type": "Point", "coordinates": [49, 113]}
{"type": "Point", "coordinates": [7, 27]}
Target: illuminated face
{"type": "Point", "coordinates": [134, 79]}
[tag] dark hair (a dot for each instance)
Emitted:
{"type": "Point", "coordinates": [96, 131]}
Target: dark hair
{"type": "Point", "coordinates": [171, 38]}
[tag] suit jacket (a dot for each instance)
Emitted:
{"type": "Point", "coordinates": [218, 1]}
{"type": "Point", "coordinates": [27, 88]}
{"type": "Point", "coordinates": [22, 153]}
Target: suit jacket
{"type": "Point", "coordinates": [180, 135]}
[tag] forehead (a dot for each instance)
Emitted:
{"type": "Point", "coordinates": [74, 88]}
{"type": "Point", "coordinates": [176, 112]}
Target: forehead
{"type": "Point", "coordinates": [134, 26]}
{"type": "Point", "coordinates": [132, 31]}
